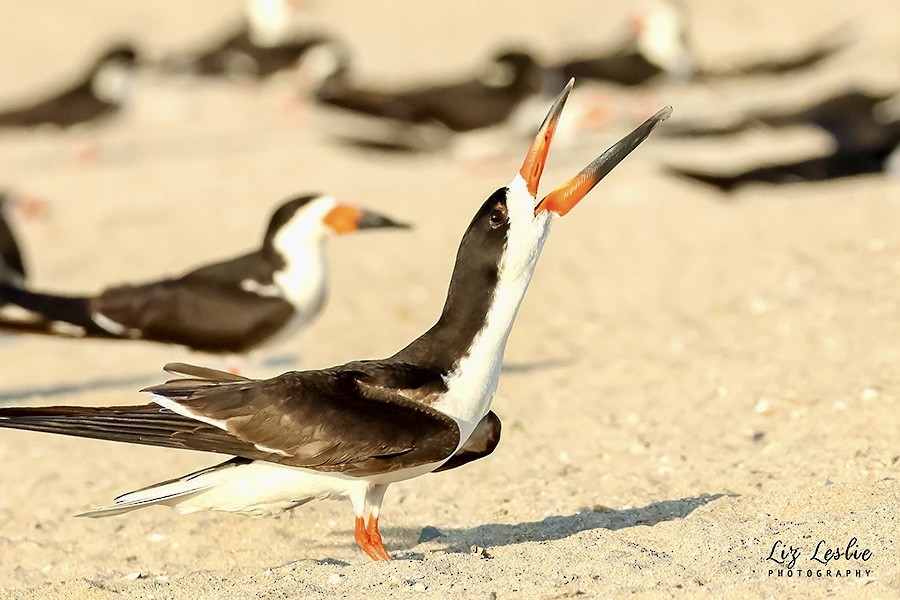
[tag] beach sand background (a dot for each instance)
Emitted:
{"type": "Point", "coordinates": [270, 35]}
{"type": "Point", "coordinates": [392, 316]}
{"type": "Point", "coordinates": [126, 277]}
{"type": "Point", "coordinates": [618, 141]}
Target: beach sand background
{"type": "Point", "coordinates": [691, 378]}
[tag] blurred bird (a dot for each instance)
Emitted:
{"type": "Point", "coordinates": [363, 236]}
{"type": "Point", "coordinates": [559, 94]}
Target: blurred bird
{"type": "Point", "coordinates": [864, 142]}
{"type": "Point", "coordinates": [228, 307]}
{"type": "Point", "coordinates": [100, 92]}
{"type": "Point", "coordinates": [423, 117]}
{"type": "Point", "coordinates": [658, 45]}
{"type": "Point", "coordinates": [840, 164]}
{"type": "Point", "coordinates": [352, 430]}
{"type": "Point", "coordinates": [264, 44]}
{"type": "Point", "coordinates": [850, 117]}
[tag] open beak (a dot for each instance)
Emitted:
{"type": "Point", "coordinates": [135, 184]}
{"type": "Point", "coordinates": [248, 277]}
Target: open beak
{"type": "Point", "coordinates": [346, 218]}
{"type": "Point", "coordinates": [565, 197]}
{"type": "Point", "coordinates": [536, 158]}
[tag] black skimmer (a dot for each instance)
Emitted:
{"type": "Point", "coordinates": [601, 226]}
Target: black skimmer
{"type": "Point", "coordinates": [658, 45]}
{"type": "Point", "coordinates": [100, 92]}
{"type": "Point", "coordinates": [850, 117]}
{"type": "Point", "coordinates": [840, 164]}
{"type": "Point", "coordinates": [425, 117]}
{"type": "Point", "coordinates": [865, 141]}
{"type": "Point", "coordinates": [228, 307]}
{"type": "Point", "coordinates": [352, 430]}
{"type": "Point", "coordinates": [264, 44]}
{"type": "Point", "coordinates": [239, 57]}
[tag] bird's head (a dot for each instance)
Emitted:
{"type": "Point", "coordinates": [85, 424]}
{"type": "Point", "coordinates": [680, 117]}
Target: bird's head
{"type": "Point", "coordinates": [660, 30]}
{"type": "Point", "coordinates": [113, 74]}
{"type": "Point", "coordinates": [311, 218]}
{"type": "Point", "coordinates": [327, 59]}
{"type": "Point", "coordinates": [515, 70]}
{"type": "Point", "coordinates": [510, 228]}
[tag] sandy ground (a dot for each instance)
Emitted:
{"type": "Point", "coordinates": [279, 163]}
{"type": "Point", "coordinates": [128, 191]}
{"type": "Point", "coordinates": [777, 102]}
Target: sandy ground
{"type": "Point", "coordinates": [690, 382]}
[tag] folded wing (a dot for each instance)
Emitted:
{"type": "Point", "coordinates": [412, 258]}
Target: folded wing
{"type": "Point", "coordinates": [321, 420]}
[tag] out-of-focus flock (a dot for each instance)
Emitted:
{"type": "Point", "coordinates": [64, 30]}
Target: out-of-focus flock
{"type": "Point", "coordinates": [235, 305]}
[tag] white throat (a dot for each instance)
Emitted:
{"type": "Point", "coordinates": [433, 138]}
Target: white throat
{"type": "Point", "coordinates": [472, 384]}
{"type": "Point", "coordinates": [303, 280]}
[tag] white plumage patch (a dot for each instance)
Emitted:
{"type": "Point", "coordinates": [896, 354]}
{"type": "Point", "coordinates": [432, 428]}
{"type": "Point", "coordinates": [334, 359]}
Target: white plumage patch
{"type": "Point", "coordinates": [271, 450]}
{"type": "Point", "coordinates": [113, 327]}
{"type": "Point", "coordinates": [14, 312]}
{"type": "Point", "coordinates": [178, 409]}
{"type": "Point", "coordinates": [662, 40]}
{"type": "Point", "coordinates": [264, 290]}
{"type": "Point", "coordinates": [63, 328]}
{"type": "Point", "coordinates": [114, 82]}
{"type": "Point", "coordinates": [300, 242]}
{"type": "Point", "coordinates": [471, 386]}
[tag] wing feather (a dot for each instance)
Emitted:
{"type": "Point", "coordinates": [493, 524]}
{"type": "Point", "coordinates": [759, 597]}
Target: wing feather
{"type": "Point", "coordinates": [319, 420]}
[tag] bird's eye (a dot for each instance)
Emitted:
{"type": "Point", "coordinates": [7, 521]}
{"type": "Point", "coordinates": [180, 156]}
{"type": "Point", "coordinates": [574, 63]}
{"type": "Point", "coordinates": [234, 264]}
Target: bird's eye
{"type": "Point", "coordinates": [498, 217]}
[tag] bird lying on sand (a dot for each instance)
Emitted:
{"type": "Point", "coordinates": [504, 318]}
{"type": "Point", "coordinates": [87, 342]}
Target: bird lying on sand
{"type": "Point", "coordinates": [230, 307]}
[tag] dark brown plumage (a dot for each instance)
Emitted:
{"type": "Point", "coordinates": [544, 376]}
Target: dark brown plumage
{"type": "Point", "coordinates": [230, 306]}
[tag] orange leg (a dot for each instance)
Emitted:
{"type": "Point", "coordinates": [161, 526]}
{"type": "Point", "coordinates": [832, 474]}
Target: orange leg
{"type": "Point", "coordinates": [370, 544]}
{"type": "Point", "coordinates": [375, 538]}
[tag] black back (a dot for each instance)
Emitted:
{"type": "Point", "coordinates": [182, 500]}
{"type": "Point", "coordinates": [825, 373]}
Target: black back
{"type": "Point", "coordinates": [460, 106]}
{"type": "Point", "coordinates": [626, 67]}
{"type": "Point", "coordinates": [838, 165]}
{"type": "Point", "coordinates": [239, 55]}
{"type": "Point", "coordinates": [849, 117]}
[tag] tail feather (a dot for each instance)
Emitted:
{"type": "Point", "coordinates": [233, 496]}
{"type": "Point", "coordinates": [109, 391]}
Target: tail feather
{"type": "Point", "coordinates": [147, 424]}
{"type": "Point", "coordinates": [46, 313]}
{"type": "Point", "coordinates": [163, 492]}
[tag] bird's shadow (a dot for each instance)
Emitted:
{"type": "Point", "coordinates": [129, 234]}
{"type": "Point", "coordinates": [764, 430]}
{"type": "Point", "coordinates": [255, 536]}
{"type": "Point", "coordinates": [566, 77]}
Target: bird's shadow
{"type": "Point", "coordinates": [556, 527]}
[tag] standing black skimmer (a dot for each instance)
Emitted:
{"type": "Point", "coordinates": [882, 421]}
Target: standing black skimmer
{"type": "Point", "coordinates": [229, 307]}
{"type": "Point", "coordinates": [102, 91]}
{"type": "Point", "coordinates": [352, 430]}
{"type": "Point", "coordinates": [425, 117]}
{"type": "Point", "coordinates": [659, 45]}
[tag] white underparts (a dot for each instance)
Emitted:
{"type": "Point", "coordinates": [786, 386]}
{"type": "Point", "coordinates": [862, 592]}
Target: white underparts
{"type": "Point", "coordinates": [256, 488]}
